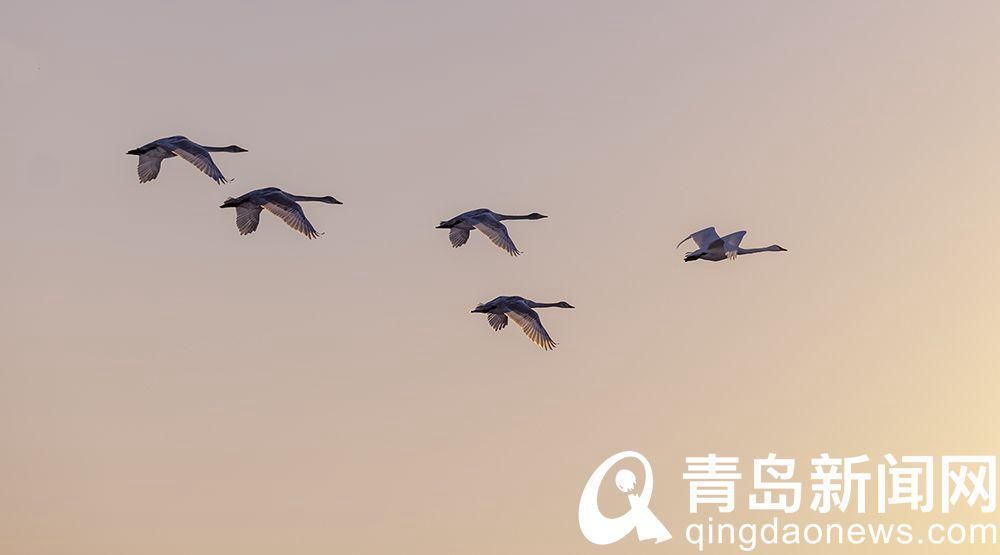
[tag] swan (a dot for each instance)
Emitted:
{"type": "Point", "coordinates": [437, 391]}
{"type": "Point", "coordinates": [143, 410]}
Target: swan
{"type": "Point", "coordinates": [157, 151]}
{"type": "Point", "coordinates": [713, 248]}
{"type": "Point", "coordinates": [488, 222]}
{"type": "Point", "coordinates": [520, 310]}
{"type": "Point", "coordinates": [281, 204]}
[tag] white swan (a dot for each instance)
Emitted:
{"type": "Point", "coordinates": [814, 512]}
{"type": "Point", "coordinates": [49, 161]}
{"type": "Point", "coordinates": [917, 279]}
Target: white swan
{"type": "Point", "coordinates": [281, 204]}
{"type": "Point", "coordinates": [520, 310]}
{"type": "Point", "coordinates": [152, 154]}
{"type": "Point", "coordinates": [488, 222]}
{"type": "Point", "coordinates": [713, 248]}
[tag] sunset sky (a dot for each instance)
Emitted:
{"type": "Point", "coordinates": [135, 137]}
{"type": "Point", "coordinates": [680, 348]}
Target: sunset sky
{"type": "Point", "coordinates": [168, 386]}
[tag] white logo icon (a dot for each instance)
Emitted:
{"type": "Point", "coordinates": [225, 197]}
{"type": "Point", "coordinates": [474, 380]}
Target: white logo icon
{"type": "Point", "coordinates": [602, 530]}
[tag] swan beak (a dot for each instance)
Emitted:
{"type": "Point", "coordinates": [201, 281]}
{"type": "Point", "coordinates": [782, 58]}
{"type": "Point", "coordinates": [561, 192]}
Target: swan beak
{"type": "Point", "coordinates": [569, 306]}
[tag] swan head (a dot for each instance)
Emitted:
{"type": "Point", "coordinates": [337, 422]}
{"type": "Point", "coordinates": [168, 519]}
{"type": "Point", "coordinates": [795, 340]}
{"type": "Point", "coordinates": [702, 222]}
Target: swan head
{"type": "Point", "coordinates": [564, 304]}
{"type": "Point", "coordinates": [330, 200]}
{"type": "Point", "coordinates": [777, 248]}
{"type": "Point", "coordinates": [536, 216]}
{"type": "Point", "coordinates": [234, 148]}
{"type": "Point", "coordinates": [480, 308]}
{"type": "Point", "coordinates": [447, 224]}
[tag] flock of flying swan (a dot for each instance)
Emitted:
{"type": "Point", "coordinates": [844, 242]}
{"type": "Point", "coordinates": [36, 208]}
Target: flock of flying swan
{"type": "Point", "coordinates": [286, 206]}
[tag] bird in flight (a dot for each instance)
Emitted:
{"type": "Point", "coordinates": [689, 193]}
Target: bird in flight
{"type": "Point", "coordinates": [488, 222]}
{"type": "Point", "coordinates": [281, 204]}
{"type": "Point", "coordinates": [713, 248]}
{"type": "Point", "coordinates": [520, 310]}
{"type": "Point", "coordinates": [152, 154]}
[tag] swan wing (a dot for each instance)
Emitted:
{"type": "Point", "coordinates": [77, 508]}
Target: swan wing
{"type": "Point", "coordinates": [702, 238]}
{"type": "Point", "coordinates": [292, 215]}
{"type": "Point", "coordinates": [733, 240]}
{"type": "Point", "coordinates": [149, 167]}
{"type": "Point", "coordinates": [531, 325]}
{"type": "Point", "coordinates": [727, 246]}
{"type": "Point", "coordinates": [497, 232]}
{"type": "Point", "coordinates": [199, 157]}
{"type": "Point", "coordinates": [497, 321]}
{"type": "Point", "coordinates": [247, 218]}
{"type": "Point", "coordinates": [458, 236]}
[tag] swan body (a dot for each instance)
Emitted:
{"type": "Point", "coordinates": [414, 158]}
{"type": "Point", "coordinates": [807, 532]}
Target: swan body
{"type": "Point", "coordinates": [152, 154]}
{"type": "Point", "coordinates": [713, 248]}
{"type": "Point", "coordinates": [488, 222]}
{"type": "Point", "coordinates": [522, 311]}
{"type": "Point", "coordinates": [281, 204]}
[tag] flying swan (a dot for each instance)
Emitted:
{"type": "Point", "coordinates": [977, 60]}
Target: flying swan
{"type": "Point", "coordinates": [159, 150]}
{"type": "Point", "coordinates": [521, 311]}
{"type": "Point", "coordinates": [281, 204]}
{"type": "Point", "coordinates": [713, 248]}
{"type": "Point", "coordinates": [488, 222]}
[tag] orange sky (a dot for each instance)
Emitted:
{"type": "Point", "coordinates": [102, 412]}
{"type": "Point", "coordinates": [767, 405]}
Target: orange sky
{"type": "Point", "coordinates": [169, 386]}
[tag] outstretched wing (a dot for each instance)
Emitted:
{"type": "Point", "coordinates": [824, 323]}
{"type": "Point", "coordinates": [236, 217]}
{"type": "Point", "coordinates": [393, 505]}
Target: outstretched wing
{"type": "Point", "coordinates": [733, 240]}
{"type": "Point", "coordinates": [702, 238]}
{"type": "Point", "coordinates": [458, 236]}
{"type": "Point", "coordinates": [247, 218]}
{"type": "Point", "coordinates": [149, 167]}
{"type": "Point", "coordinates": [497, 233]}
{"type": "Point", "coordinates": [292, 214]}
{"type": "Point", "coordinates": [531, 325]}
{"type": "Point", "coordinates": [727, 246]}
{"type": "Point", "coordinates": [497, 321]}
{"type": "Point", "coordinates": [199, 157]}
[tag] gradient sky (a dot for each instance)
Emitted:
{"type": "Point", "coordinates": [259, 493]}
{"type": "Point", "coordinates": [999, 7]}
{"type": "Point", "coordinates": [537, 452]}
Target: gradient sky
{"type": "Point", "coordinates": [167, 386]}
